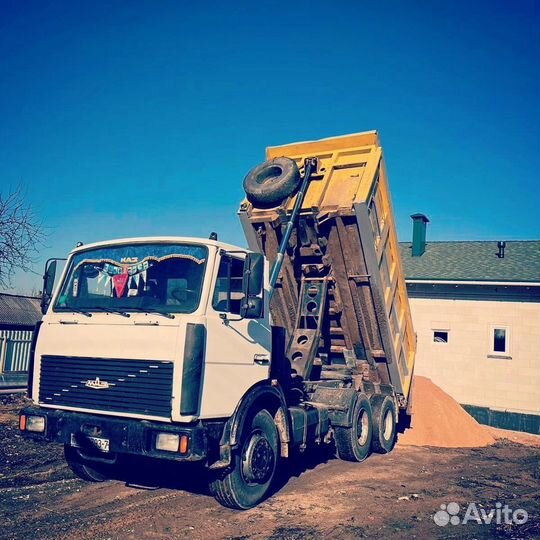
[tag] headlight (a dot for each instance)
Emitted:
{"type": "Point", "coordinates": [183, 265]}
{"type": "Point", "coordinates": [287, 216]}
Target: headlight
{"type": "Point", "coordinates": [35, 424]}
{"type": "Point", "coordinates": [168, 441]}
{"type": "Point", "coordinates": [172, 442]}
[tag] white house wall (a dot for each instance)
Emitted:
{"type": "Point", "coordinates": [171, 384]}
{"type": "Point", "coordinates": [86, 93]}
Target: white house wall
{"type": "Point", "coordinates": [464, 367]}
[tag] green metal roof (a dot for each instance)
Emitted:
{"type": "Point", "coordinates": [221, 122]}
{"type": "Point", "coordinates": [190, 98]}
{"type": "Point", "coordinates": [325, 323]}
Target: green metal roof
{"type": "Point", "coordinates": [473, 261]}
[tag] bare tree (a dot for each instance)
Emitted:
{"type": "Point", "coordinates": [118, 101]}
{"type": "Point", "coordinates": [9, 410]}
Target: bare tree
{"type": "Point", "coordinates": [21, 234]}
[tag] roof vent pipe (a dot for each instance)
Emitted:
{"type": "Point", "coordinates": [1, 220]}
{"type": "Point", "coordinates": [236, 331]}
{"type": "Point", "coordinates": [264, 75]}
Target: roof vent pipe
{"type": "Point", "coordinates": [419, 234]}
{"type": "Point", "coordinates": [501, 246]}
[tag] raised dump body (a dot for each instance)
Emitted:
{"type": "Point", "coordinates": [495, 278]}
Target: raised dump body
{"type": "Point", "coordinates": [341, 295]}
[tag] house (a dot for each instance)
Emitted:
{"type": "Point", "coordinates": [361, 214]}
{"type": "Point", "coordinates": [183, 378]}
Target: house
{"type": "Point", "coordinates": [18, 316]}
{"type": "Point", "coordinates": [476, 311]}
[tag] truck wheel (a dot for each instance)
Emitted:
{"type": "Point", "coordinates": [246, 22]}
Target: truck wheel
{"type": "Point", "coordinates": [384, 424]}
{"type": "Point", "coordinates": [84, 469]}
{"type": "Point", "coordinates": [270, 182]}
{"type": "Point", "coordinates": [253, 468]}
{"type": "Point", "coordinates": [354, 443]}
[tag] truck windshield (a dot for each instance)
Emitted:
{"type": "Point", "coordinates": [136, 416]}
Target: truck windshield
{"type": "Point", "coordinates": [165, 278]}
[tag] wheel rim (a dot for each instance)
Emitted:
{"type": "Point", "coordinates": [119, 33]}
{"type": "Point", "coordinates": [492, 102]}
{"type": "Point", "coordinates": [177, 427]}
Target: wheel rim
{"type": "Point", "coordinates": [362, 428]}
{"type": "Point", "coordinates": [388, 425]}
{"type": "Point", "coordinates": [257, 459]}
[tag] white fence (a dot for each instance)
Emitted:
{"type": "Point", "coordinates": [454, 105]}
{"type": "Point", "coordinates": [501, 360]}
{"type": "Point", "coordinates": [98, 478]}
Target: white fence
{"type": "Point", "coordinates": [15, 350]}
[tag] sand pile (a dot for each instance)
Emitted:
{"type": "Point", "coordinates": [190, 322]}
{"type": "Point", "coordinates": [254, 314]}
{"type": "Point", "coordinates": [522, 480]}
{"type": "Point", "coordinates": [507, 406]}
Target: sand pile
{"type": "Point", "coordinates": [439, 420]}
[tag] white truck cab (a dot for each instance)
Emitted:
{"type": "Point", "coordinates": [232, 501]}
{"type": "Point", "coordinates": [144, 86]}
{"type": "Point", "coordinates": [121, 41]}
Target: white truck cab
{"type": "Point", "coordinates": [148, 299]}
{"type": "Point", "coordinates": [154, 347]}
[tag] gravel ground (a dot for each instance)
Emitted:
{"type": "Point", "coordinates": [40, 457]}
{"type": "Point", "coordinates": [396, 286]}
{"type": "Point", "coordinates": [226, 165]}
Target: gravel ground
{"type": "Point", "coordinates": [387, 497]}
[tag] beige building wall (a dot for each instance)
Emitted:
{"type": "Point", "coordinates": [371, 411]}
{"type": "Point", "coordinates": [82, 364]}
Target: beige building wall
{"type": "Point", "coordinates": [466, 366]}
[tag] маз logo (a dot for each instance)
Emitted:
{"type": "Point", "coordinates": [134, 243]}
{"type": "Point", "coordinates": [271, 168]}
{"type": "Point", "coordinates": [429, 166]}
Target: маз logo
{"type": "Point", "coordinates": [97, 384]}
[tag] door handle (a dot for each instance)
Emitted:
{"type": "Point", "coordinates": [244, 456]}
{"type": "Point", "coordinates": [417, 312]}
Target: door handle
{"type": "Point", "coordinates": [261, 359]}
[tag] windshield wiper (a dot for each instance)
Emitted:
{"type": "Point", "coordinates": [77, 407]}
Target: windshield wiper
{"type": "Point", "coordinates": [150, 310]}
{"type": "Point", "coordinates": [109, 310]}
{"type": "Point", "coordinates": [76, 310]}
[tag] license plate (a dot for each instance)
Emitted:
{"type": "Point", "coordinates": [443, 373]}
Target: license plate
{"type": "Point", "coordinates": [97, 442]}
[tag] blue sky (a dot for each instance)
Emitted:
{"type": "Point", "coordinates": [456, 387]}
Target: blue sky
{"type": "Point", "coordinates": [142, 118]}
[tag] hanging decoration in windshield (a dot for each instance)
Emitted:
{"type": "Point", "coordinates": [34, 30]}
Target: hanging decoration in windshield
{"type": "Point", "coordinates": [135, 277]}
{"type": "Point", "coordinates": [114, 277]}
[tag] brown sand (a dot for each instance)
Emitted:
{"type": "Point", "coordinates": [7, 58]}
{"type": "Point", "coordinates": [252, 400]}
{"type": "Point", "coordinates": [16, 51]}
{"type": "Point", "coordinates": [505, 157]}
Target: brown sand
{"type": "Point", "coordinates": [439, 420]}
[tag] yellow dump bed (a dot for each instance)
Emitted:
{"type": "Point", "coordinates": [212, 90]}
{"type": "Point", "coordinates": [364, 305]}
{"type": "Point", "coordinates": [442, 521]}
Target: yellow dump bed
{"type": "Point", "coordinates": [346, 221]}
{"type": "Point", "coordinates": [348, 167]}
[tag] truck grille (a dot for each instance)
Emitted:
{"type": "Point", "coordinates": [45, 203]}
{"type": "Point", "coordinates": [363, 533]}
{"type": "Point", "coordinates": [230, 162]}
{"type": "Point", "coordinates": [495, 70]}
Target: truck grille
{"type": "Point", "coordinates": [107, 384]}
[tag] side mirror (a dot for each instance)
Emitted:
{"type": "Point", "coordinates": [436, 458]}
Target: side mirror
{"type": "Point", "coordinates": [48, 284]}
{"type": "Point", "coordinates": [253, 286]}
{"type": "Point", "coordinates": [252, 307]}
{"type": "Point", "coordinates": [253, 274]}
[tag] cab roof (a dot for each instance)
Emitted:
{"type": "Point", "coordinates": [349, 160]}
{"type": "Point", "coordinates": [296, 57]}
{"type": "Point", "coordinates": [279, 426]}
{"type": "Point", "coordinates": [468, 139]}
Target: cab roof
{"type": "Point", "coordinates": [159, 240]}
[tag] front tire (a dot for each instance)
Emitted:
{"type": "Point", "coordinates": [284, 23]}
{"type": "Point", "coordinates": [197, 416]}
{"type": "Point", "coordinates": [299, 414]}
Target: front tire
{"type": "Point", "coordinates": [254, 465]}
{"type": "Point", "coordinates": [354, 443]}
{"type": "Point", "coordinates": [84, 469]}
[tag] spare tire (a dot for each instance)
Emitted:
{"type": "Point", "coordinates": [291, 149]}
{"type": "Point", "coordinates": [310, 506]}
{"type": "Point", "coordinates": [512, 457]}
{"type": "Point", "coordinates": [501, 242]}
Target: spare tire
{"type": "Point", "coordinates": [272, 181]}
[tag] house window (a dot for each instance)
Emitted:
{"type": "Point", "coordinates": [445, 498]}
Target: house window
{"type": "Point", "coordinates": [500, 340]}
{"type": "Point", "coordinates": [440, 336]}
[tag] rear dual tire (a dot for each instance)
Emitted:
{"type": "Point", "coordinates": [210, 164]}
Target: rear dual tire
{"type": "Point", "coordinates": [354, 443]}
{"type": "Point", "coordinates": [373, 428]}
{"type": "Point", "coordinates": [384, 424]}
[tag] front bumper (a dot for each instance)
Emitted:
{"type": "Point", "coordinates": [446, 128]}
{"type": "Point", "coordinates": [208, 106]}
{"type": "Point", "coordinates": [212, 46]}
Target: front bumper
{"type": "Point", "coordinates": [124, 436]}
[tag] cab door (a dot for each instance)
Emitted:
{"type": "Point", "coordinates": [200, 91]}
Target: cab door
{"type": "Point", "coordinates": [237, 349]}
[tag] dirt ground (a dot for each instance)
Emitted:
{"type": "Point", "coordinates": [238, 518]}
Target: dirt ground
{"type": "Point", "coordinates": [387, 497]}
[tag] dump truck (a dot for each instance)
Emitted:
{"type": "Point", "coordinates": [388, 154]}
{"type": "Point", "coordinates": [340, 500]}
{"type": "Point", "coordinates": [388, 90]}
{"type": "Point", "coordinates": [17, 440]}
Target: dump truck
{"type": "Point", "coordinates": [193, 350]}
